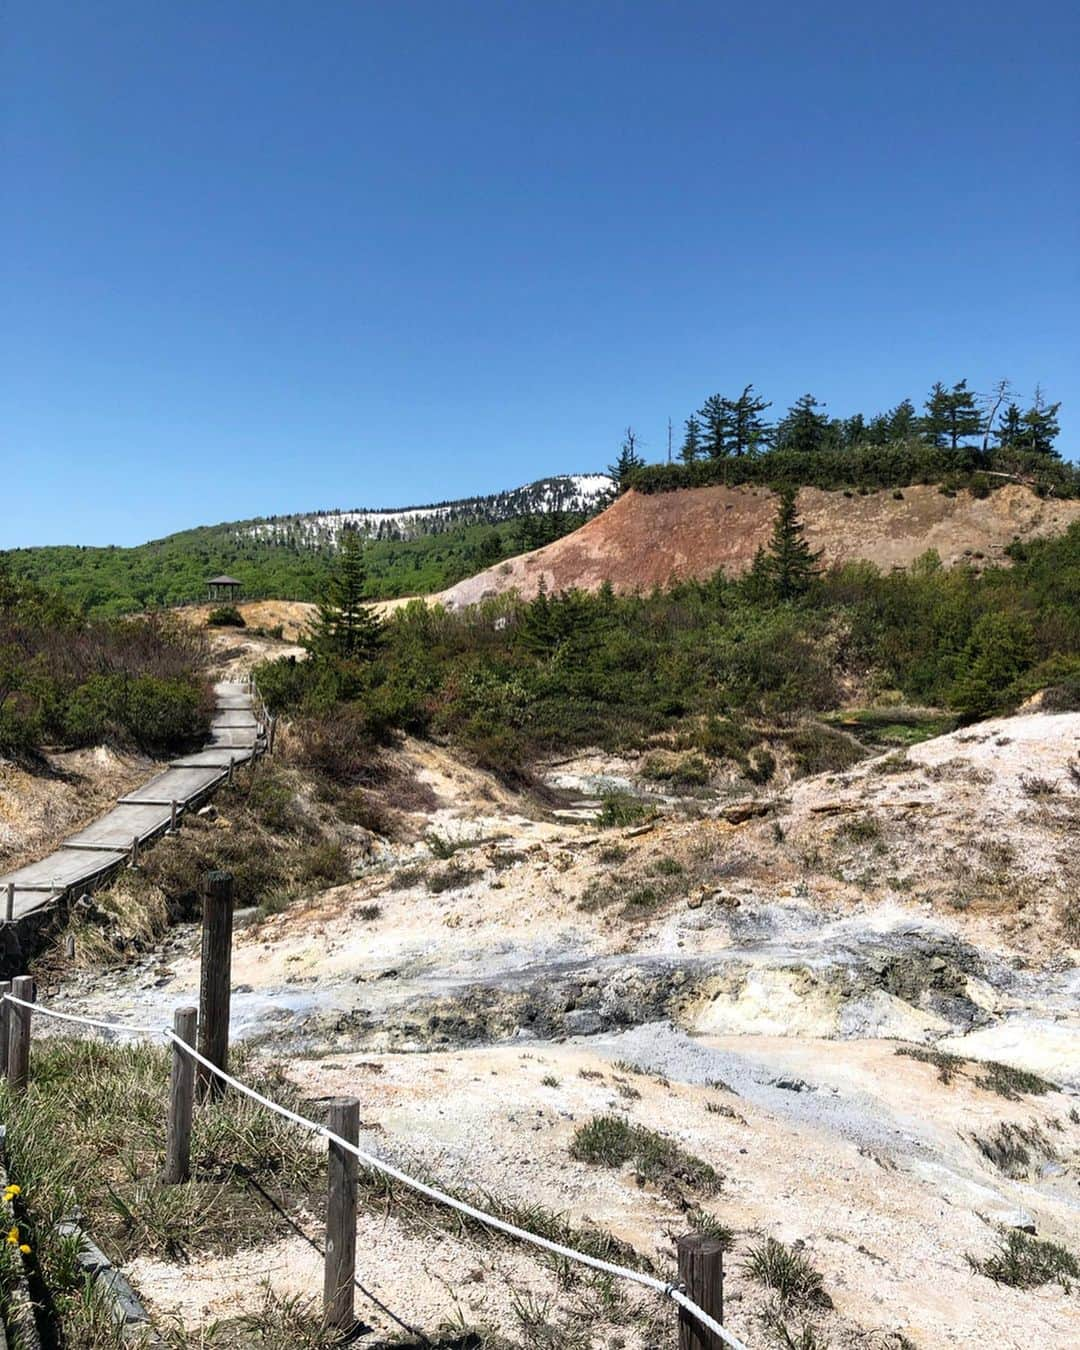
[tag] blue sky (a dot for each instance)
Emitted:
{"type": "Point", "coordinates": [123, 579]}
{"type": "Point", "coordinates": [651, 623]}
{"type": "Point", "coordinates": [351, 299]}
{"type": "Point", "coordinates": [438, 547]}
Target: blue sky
{"type": "Point", "coordinates": [269, 256]}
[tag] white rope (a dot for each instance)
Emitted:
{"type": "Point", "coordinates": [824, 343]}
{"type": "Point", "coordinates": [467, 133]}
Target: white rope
{"type": "Point", "coordinates": [84, 1021]}
{"type": "Point", "coordinates": [667, 1289]}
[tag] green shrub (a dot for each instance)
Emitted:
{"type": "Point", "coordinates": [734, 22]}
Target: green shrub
{"type": "Point", "coordinates": [788, 1274]}
{"type": "Point", "coordinates": [226, 616]}
{"type": "Point", "coordinates": [611, 1141]}
{"type": "Point", "coordinates": [621, 809]}
{"type": "Point", "coordinates": [1025, 1262]}
{"type": "Point", "coordinates": [817, 748]}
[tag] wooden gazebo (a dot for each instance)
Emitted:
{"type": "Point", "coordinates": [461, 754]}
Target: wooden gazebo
{"type": "Point", "coordinates": [223, 588]}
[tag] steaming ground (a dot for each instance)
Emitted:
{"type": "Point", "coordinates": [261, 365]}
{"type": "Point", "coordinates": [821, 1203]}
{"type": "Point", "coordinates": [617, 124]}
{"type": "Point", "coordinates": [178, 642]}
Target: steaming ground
{"type": "Point", "coordinates": [741, 988]}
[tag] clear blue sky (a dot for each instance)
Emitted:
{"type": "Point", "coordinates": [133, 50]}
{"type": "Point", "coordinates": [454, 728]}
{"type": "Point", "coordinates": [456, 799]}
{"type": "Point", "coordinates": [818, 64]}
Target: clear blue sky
{"type": "Point", "coordinates": [264, 256]}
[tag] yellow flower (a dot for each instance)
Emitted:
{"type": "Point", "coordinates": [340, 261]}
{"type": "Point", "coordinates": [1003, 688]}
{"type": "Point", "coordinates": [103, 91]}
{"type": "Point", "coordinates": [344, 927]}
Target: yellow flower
{"type": "Point", "coordinates": [24, 1249]}
{"type": "Point", "coordinates": [13, 1237]}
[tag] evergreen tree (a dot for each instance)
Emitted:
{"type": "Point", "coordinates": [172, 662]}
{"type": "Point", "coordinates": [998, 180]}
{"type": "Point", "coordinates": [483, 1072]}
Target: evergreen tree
{"type": "Point", "coordinates": [804, 430]}
{"type": "Point", "coordinates": [1010, 428]}
{"type": "Point", "coordinates": [853, 431]}
{"type": "Point", "coordinates": [344, 627]}
{"type": "Point", "coordinates": [692, 445]}
{"type": "Point", "coordinates": [1040, 426]}
{"type": "Point", "coordinates": [717, 418]}
{"type": "Point", "coordinates": [749, 431]}
{"type": "Point", "coordinates": [902, 421]}
{"type": "Point", "coordinates": [952, 415]}
{"type": "Point", "coordinates": [628, 461]}
{"type": "Point", "coordinates": [790, 563]}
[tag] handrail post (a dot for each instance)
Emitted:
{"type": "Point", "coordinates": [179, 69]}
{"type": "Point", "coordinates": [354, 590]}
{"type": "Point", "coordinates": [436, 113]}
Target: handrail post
{"type": "Point", "coordinates": [181, 1100]}
{"type": "Point", "coordinates": [215, 979]}
{"type": "Point", "coordinates": [701, 1270]}
{"type": "Point", "coordinates": [19, 1035]}
{"type": "Point", "coordinates": [5, 1014]}
{"type": "Point", "coordinates": [9, 903]}
{"type": "Point", "coordinates": [343, 1119]}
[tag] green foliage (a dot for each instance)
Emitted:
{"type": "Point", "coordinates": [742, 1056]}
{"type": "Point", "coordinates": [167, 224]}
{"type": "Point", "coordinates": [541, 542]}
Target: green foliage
{"type": "Point", "coordinates": [628, 461]}
{"type": "Point", "coordinates": [788, 1274]}
{"type": "Point", "coordinates": [611, 1141]}
{"type": "Point", "coordinates": [1025, 1262]}
{"type": "Point", "coordinates": [225, 616]}
{"type": "Point", "coordinates": [512, 681]}
{"type": "Point", "coordinates": [70, 681]}
{"type": "Point", "coordinates": [790, 564]}
{"type": "Point", "coordinates": [345, 628]}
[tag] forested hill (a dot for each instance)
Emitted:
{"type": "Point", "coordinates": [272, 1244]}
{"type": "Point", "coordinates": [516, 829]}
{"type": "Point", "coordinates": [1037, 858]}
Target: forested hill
{"type": "Point", "coordinates": [411, 550]}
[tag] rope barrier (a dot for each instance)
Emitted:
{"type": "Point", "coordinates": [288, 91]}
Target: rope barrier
{"type": "Point", "coordinates": [667, 1289]}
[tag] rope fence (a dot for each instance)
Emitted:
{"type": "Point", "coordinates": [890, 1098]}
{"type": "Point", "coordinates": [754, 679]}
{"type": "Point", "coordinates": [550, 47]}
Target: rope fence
{"type": "Point", "coordinates": [700, 1259]}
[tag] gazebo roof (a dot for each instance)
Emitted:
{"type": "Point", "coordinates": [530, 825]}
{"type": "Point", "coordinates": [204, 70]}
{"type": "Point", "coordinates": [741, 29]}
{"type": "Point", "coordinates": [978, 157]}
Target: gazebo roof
{"type": "Point", "coordinates": [223, 581]}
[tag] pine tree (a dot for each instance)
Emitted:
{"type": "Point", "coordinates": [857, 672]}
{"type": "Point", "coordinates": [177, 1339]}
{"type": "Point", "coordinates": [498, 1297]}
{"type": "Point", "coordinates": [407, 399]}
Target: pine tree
{"type": "Point", "coordinates": [903, 423]}
{"type": "Point", "coordinates": [790, 563]}
{"type": "Point", "coordinates": [804, 429]}
{"type": "Point", "coordinates": [628, 461]}
{"type": "Point", "coordinates": [1010, 428]}
{"type": "Point", "coordinates": [716, 415]}
{"type": "Point", "coordinates": [750, 432]}
{"type": "Point", "coordinates": [952, 415]}
{"type": "Point", "coordinates": [344, 627]}
{"type": "Point", "coordinates": [692, 441]}
{"type": "Point", "coordinates": [1040, 426]}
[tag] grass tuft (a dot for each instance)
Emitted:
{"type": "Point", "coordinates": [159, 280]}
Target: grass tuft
{"type": "Point", "coordinates": [1024, 1262]}
{"type": "Point", "coordinates": [611, 1141]}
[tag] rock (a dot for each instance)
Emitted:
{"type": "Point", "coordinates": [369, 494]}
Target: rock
{"type": "Point", "coordinates": [738, 812]}
{"type": "Point", "coordinates": [696, 900]}
{"type": "Point", "coordinates": [1014, 1218]}
{"type": "Point", "coordinates": [207, 812]}
{"type": "Point", "coordinates": [792, 1085]}
{"type": "Point", "coordinates": [583, 1022]}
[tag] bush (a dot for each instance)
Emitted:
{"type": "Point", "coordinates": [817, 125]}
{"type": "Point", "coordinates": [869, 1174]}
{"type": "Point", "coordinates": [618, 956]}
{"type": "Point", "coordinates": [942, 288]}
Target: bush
{"type": "Point", "coordinates": [226, 616]}
{"type": "Point", "coordinates": [788, 1274]}
{"type": "Point", "coordinates": [611, 1141]}
{"type": "Point", "coordinates": [1025, 1262]}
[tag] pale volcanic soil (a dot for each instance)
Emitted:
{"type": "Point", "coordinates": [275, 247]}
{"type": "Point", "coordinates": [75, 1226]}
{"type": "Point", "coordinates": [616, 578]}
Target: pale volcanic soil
{"type": "Point", "coordinates": [741, 988]}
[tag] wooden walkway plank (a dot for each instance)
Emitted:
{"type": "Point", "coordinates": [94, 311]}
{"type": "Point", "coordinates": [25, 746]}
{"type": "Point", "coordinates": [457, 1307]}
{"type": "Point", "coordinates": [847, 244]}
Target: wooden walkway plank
{"type": "Point", "coordinates": [86, 857]}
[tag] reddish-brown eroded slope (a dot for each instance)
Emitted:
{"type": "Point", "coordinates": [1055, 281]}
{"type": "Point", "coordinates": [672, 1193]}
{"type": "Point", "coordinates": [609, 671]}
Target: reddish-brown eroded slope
{"type": "Point", "coordinates": [645, 541]}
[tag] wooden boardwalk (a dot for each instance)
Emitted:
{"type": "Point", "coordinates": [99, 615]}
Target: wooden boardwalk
{"type": "Point", "coordinates": [86, 858]}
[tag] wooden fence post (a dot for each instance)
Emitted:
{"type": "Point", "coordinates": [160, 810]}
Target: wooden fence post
{"type": "Point", "coordinates": [343, 1119]}
{"type": "Point", "coordinates": [69, 946]}
{"type": "Point", "coordinates": [19, 1035]}
{"type": "Point", "coordinates": [174, 814]}
{"type": "Point", "coordinates": [229, 775]}
{"type": "Point", "coordinates": [701, 1270]}
{"type": "Point", "coordinates": [134, 860]}
{"type": "Point", "coordinates": [9, 902]}
{"type": "Point", "coordinates": [5, 1013]}
{"type": "Point", "coordinates": [271, 728]}
{"type": "Point", "coordinates": [215, 979]}
{"type": "Point", "coordinates": [181, 1100]}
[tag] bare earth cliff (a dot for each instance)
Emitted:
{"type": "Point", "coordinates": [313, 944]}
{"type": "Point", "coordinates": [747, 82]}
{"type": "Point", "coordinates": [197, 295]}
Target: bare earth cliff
{"type": "Point", "coordinates": [645, 541]}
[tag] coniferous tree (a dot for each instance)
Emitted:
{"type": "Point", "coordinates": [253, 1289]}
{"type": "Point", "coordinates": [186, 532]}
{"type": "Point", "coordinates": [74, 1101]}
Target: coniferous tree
{"type": "Point", "coordinates": [952, 415]}
{"type": "Point", "coordinates": [1010, 428]}
{"type": "Point", "coordinates": [903, 422]}
{"type": "Point", "coordinates": [344, 627]}
{"type": "Point", "coordinates": [1040, 426]}
{"type": "Point", "coordinates": [716, 418]}
{"type": "Point", "coordinates": [804, 429]}
{"type": "Point", "coordinates": [749, 431]}
{"type": "Point", "coordinates": [790, 563]}
{"type": "Point", "coordinates": [628, 461]}
{"type": "Point", "coordinates": [692, 442]}
{"type": "Point", "coordinates": [853, 431]}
